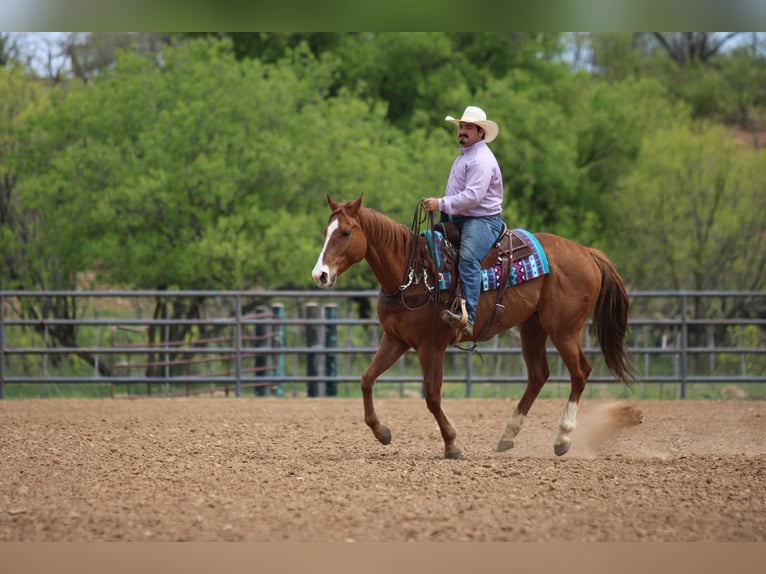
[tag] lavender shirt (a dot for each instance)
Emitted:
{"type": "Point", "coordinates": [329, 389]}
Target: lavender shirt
{"type": "Point", "coordinates": [475, 185]}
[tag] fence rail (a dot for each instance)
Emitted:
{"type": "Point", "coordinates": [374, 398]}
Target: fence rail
{"type": "Point", "coordinates": [266, 339]}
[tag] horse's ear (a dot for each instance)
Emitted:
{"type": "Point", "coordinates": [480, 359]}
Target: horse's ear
{"type": "Point", "coordinates": [353, 209]}
{"type": "Point", "coordinates": [333, 205]}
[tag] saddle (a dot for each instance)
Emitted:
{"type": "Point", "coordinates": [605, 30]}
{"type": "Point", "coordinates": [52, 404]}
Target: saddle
{"type": "Point", "coordinates": [507, 248]}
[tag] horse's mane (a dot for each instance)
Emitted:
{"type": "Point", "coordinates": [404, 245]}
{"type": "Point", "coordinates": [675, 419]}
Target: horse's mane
{"type": "Point", "coordinates": [390, 235]}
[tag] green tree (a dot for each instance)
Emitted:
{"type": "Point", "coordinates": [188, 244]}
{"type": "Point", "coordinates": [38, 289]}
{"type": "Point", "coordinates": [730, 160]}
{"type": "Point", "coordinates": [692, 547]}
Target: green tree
{"type": "Point", "coordinates": [5, 48]}
{"type": "Point", "coordinates": [500, 52]}
{"type": "Point", "coordinates": [536, 149]}
{"type": "Point", "coordinates": [422, 75]}
{"type": "Point", "coordinates": [687, 48]}
{"type": "Point", "coordinates": [29, 258]}
{"type": "Point", "coordinates": [692, 219]}
{"type": "Point", "coordinates": [692, 213]}
{"type": "Point", "coordinates": [565, 141]}
{"type": "Point", "coordinates": [167, 176]}
{"type": "Point", "coordinates": [270, 47]}
{"type": "Point", "coordinates": [617, 56]}
{"type": "Point", "coordinates": [744, 71]}
{"type": "Point", "coordinates": [19, 95]}
{"type": "Point", "coordinates": [697, 67]}
{"type": "Point", "coordinates": [612, 121]}
{"type": "Point", "coordinates": [413, 72]}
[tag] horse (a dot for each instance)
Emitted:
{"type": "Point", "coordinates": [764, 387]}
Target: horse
{"type": "Point", "coordinates": [581, 282]}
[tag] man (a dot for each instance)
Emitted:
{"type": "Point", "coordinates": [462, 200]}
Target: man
{"type": "Point", "coordinates": [474, 202]}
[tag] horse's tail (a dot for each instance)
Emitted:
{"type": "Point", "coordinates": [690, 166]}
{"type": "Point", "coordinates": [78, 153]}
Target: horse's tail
{"type": "Point", "coordinates": [610, 320]}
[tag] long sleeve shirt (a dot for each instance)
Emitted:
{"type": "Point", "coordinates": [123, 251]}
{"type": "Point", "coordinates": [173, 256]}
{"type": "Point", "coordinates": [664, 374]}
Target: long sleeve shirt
{"type": "Point", "coordinates": [475, 184]}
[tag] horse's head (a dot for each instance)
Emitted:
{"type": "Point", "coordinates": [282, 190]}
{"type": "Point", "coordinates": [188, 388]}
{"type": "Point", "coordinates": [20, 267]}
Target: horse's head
{"type": "Point", "coordinates": [345, 243]}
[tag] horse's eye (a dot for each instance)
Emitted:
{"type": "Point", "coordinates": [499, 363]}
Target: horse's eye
{"type": "Point", "coordinates": [345, 233]}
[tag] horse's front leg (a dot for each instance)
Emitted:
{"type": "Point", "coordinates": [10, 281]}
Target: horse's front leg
{"type": "Point", "coordinates": [432, 363]}
{"type": "Point", "coordinates": [389, 351]}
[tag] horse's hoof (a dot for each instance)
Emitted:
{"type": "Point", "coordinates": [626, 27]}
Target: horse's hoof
{"type": "Point", "coordinates": [385, 436]}
{"type": "Point", "coordinates": [504, 445]}
{"type": "Point", "coordinates": [455, 455]}
{"type": "Point", "coordinates": [561, 449]}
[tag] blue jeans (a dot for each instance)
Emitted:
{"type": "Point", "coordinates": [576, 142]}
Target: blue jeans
{"type": "Point", "coordinates": [477, 234]}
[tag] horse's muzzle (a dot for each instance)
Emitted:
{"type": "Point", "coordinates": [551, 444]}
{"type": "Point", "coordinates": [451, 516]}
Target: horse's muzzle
{"type": "Point", "coordinates": [324, 279]}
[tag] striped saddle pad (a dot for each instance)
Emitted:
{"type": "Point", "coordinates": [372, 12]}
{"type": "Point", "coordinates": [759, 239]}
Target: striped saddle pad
{"type": "Point", "coordinates": [522, 270]}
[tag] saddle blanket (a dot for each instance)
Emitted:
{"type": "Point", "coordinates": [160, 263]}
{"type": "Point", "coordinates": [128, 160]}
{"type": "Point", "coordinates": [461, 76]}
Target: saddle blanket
{"type": "Point", "coordinates": [522, 270]}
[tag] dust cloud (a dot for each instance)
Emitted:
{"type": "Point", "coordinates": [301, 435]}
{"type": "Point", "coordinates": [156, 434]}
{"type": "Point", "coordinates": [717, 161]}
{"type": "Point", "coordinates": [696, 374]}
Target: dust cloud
{"type": "Point", "coordinates": [604, 423]}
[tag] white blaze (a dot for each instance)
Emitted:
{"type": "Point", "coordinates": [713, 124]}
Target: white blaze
{"type": "Point", "coordinates": [320, 266]}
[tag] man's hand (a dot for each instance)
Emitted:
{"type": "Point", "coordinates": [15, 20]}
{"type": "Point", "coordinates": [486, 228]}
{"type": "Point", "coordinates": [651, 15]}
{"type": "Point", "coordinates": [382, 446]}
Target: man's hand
{"type": "Point", "coordinates": [431, 203]}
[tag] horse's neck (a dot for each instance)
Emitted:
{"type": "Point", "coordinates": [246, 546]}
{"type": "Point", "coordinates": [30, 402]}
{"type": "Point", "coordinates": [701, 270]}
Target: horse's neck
{"type": "Point", "coordinates": [388, 248]}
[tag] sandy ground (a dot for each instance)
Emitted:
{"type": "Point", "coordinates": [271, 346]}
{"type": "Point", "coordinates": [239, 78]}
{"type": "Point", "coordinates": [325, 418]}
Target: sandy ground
{"type": "Point", "coordinates": [204, 469]}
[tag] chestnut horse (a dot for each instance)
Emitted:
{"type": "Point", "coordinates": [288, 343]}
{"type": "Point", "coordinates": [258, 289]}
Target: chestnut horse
{"type": "Point", "coordinates": [582, 281]}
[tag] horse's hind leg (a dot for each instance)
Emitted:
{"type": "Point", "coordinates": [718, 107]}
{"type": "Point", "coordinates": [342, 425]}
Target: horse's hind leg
{"type": "Point", "coordinates": [533, 339]}
{"type": "Point", "coordinates": [389, 351]}
{"type": "Point", "coordinates": [432, 364]}
{"type": "Point", "coordinates": [579, 370]}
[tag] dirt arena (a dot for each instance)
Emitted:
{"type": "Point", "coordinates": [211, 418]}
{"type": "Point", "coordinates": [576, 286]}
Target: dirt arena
{"type": "Point", "coordinates": [206, 469]}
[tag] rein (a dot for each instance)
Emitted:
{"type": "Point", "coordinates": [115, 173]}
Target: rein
{"type": "Point", "coordinates": [412, 275]}
{"type": "Point", "coordinates": [417, 220]}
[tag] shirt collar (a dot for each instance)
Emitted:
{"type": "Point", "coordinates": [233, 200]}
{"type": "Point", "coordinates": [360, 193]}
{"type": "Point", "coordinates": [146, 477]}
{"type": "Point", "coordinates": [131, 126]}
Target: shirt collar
{"type": "Point", "coordinates": [471, 148]}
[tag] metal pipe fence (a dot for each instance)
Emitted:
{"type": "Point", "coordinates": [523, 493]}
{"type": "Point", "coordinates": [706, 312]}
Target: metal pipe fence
{"type": "Point", "coordinates": [234, 340]}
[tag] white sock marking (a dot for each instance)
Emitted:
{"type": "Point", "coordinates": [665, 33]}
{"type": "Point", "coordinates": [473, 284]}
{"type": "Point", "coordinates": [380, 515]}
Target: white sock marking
{"type": "Point", "coordinates": [514, 425]}
{"type": "Point", "coordinates": [567, 423]}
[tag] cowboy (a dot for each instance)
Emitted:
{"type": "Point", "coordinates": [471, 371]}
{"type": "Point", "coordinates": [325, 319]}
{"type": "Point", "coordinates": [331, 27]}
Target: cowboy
{"type": "Point", "coordinates": [473, 200]}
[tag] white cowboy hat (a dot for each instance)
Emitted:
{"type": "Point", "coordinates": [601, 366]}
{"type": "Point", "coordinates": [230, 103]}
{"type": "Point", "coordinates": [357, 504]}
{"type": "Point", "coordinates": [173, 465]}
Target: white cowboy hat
{"type": "Point", "coordinates": [474, 115]}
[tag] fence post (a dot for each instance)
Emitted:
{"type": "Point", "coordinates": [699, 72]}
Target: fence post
{"type": "Point", "coordinates": [260, 342]}
{"type": "Point", "coordinates": [2, 347]}
{"type": "Point", "coordinates": [684, 345]}
{"type": "Point", "coordinates": [166, 358]}
{"type": "Point", "coordinates": [278, 309]}
{"type": "Point", "coordinates": [468, 374]}
{"type": "Point", "coordinates": [238, 351]}
{"type": "Point", "coordinates": [330, 342]}
{"type": "Point", "coordinates": [313, 332]}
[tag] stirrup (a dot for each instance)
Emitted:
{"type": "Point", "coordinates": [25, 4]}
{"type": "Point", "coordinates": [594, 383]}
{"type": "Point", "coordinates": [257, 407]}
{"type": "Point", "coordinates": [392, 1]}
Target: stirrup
{"type": "Point", "coordinates": [456, 316]}
{"type": "Point", "coordinates": [466, 331]}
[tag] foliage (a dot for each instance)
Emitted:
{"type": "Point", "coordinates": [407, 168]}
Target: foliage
{"type": "Point", "coordinates": [617, 56]}
{"type": "Point", "coordinates": [745, 78]}
{"type": "Point", "coordinates": [166, 175]}
{"type": "Point", "coordinates": [6, 47]}
{"type": "Point", "coordinates": [565, 143]}
{"type": "Point", "coordinates": [716, 77]}
{"type": "Point", "coordinates": [412, 72]}
{"type": "Point", "coordinates": [536, 150]}
{"type": "Point", "coordinates": [701, 87]}
{"type": "Point", "coordinates": [18, 98]}
{"type": "Point", "coordinates": [206, 166]}
{"type": "Point", "coordinates": [748, 336]}
{"type": "Point", "coordinates": [271, 47]}
{"type": "Point", "coordinates": [690, 213]}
